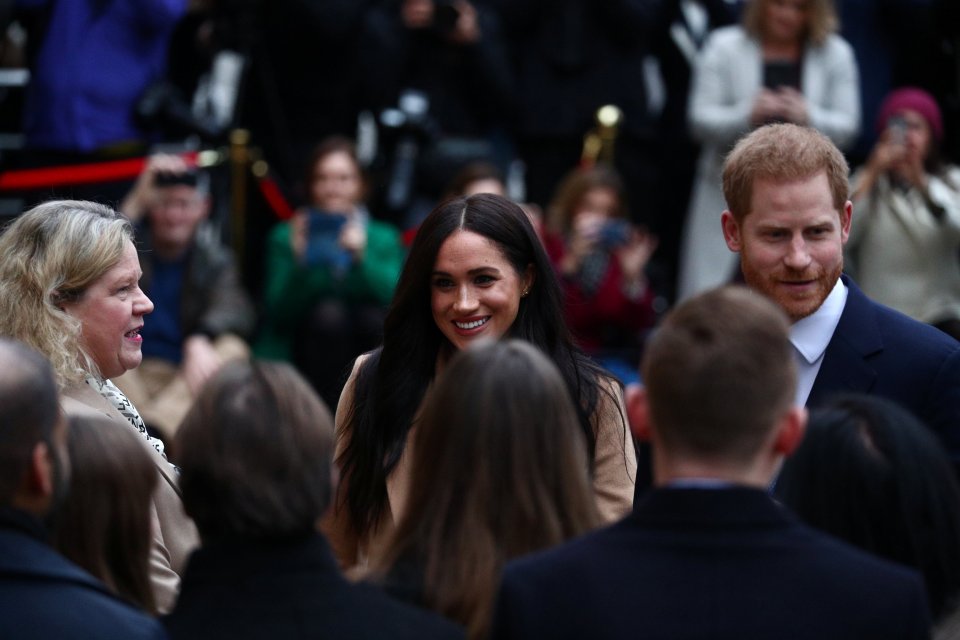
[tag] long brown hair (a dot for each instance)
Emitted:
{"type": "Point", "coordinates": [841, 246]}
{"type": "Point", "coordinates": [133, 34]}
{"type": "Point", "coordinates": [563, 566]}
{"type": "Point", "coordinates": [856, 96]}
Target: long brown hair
{"type": "Point", "coordinates": [104, 523]}
{"type": "Point", "coordinates": [501, 470]}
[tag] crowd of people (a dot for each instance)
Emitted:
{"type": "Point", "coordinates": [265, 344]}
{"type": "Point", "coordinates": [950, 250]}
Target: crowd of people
{"type": "Point", "coordinates": [478, 476]}
{"type": "Point", "coordinates": [491, 414]}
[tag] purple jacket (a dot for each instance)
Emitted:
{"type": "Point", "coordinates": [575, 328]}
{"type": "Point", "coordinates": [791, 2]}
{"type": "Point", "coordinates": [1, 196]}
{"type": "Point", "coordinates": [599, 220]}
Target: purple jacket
{"type": "Point", "coordinates": [95, 60]}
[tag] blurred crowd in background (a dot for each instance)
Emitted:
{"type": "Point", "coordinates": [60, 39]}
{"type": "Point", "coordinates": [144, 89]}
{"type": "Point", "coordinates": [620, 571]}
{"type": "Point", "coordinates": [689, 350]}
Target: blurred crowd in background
{"type": "Point", "coordinates": [587, 113]}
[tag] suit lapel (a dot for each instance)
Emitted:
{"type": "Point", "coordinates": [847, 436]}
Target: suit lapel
{"type": "Point", "coordinates": [846, 366]}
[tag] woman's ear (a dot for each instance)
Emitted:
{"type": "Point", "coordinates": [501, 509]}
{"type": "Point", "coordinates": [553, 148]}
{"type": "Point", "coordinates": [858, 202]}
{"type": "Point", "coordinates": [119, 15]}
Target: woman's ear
{"type": "Point", "coordinates": [59, 300]}
{"type": "Point", "coordinates": [529, 277]}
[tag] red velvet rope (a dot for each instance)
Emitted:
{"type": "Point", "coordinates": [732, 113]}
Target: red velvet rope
{"type": "Point", "coordinates": [74, 174]}
{"type": "Point", "coordinates": [114, 170]}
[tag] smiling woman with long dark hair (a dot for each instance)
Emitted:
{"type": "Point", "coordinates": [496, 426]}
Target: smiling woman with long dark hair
{"type": "Point", "coordinates": [475, 270]}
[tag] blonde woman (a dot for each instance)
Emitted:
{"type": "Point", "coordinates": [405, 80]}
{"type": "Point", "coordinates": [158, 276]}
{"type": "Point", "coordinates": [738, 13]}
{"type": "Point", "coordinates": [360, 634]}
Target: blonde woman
{"type": "Point", "coordinates": [69, 277]}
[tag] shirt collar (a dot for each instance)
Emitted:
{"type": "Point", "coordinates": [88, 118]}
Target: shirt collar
{"type": "Point", "coordinates": [811, 335]}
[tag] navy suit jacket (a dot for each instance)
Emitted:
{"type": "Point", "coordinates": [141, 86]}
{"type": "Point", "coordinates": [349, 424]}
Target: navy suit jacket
{"type": "Point", "coordinates": [43, 595]}
{"type": "Point", "coordinates": [289, 589]}
{"type": "Point", "coordinates": [880, 351]}
{"type": "Point", "coordinates": [709, 564]}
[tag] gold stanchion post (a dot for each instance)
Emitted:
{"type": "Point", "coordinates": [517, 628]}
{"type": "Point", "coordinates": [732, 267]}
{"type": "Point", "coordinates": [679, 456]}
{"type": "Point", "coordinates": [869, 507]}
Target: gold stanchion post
{"type": "Point", "coordinates": [239, 164]}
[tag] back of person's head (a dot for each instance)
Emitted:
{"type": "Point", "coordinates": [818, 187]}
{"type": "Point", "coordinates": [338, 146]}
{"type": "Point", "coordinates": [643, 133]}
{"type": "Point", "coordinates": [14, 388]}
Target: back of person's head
{"type": "Point", "coordinates": [574, 188]}
{"type": "Point", "coordinates": [476, 177]}
{"type": "Point", "coordinates": [104, 522]}
{"type": "Point", "coordinates": [719, 373]}
{"type": "Point", "coordinates": [782, 152]}
{"type": "Point", "coordinates": [29, 409]}
{"type": "Point", "coordinates": [500, 470]}
{"type": "Point", "coordinates": [871, 473]}
{"type": "Point", "coordinates": [50, 255]}
{"type": "Point", "coordinates": [255, 453]}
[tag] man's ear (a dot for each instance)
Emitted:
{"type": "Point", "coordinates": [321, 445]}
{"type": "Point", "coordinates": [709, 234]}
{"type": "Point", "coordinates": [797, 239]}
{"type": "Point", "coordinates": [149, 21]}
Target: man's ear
{"type": "Point", "coordinates": [39, 479]}
{"type": "Point", "coordinates": [731, 231]}
{"type": "Point", "coordinates": [638, 411]}
{"type": "Point", "coordinates": [846, 220]}
{"type": "Point", "coordinates": [790, 431]}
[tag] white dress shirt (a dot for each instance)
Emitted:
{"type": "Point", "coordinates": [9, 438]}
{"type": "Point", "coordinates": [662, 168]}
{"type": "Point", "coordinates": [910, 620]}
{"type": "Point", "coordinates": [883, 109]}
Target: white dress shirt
{"type": "Point", "coordinates": [810, 337]}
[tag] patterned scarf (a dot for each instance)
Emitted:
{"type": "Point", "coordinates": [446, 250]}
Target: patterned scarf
{"type": "Point", "coordinates": [115, 397]}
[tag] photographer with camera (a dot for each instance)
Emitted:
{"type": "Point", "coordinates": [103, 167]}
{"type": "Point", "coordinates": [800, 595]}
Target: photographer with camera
{"type": "Point", "coordinates": [601, 258]}
{"type": "Point", "coordinates": [904, 249]}
{"type": "Point", "coordinates": [202, 314]}
{"type": "Point", "coordinates": [449, 55]}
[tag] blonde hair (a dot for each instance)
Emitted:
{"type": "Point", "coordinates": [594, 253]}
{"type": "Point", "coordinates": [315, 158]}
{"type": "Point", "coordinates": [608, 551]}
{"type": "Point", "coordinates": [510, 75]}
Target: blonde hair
{"type": "Point", "coordinates": [50, 255]}
{"type": "Point", "coordinates": [821, 23]}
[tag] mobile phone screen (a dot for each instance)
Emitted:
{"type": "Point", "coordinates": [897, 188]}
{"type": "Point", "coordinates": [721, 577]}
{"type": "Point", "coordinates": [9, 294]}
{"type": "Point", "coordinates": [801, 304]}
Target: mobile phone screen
{"type": "Point", "coordinates": [323, 240]}
{"type": "Point", "coordinates": [781, 73]}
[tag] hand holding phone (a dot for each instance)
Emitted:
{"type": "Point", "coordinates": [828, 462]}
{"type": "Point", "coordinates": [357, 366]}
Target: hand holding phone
{"type": "Point", "coordinates": [897, 126]}
{"type": "Point", "coordinates": [323, 241]}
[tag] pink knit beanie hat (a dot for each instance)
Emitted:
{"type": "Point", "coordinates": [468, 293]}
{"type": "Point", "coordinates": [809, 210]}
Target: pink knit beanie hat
{"type": "Point", "coordinates": [913, 99]}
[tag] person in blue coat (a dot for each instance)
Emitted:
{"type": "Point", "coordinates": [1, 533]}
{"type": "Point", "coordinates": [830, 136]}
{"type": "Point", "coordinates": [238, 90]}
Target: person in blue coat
{"type": "Point", "coordinates": [42, 594]}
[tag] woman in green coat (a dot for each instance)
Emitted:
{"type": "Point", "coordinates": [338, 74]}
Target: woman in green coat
{"type": "Point", "coordinates": [331, 272]}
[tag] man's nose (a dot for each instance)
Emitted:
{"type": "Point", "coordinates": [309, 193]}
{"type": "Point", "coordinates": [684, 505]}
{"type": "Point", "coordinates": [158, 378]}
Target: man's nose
{"type": "Point", "coordinates": [798, 254]}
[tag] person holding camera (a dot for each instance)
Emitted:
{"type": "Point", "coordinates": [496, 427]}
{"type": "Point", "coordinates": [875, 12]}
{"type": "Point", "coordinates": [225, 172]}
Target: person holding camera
{"type": "Point", "coordinates": [202, 313]}
{"type": "Point", "coordinates": [444, 65]}
{"type": "Point", "coordinates": [331, 272]}
{"type": "Point", "coordinates": [904, 252]}
{"type": "Point", "coordinates": [601, 259]}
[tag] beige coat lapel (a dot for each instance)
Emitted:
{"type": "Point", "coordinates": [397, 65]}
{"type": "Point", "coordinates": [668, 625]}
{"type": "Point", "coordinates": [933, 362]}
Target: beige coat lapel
{"type": "Point", "coordinates": [82, 399]}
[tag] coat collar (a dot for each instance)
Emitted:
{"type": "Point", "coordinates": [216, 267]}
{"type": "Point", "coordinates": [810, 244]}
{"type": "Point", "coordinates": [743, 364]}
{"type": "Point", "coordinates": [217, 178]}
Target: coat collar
{"type": "Point", "coordinates": [23, 553]}
{"type": "Point", "coordinates": [846, 366]}
{"type": "Point", "coordinates": [737, 507]}
{"type": "Point", "coordinates": [237, 559]}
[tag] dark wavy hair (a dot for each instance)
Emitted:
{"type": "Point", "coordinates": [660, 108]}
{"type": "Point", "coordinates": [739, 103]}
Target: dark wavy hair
{"type": "Point", "coordinates": [872, 474]}
{"type": "Point", "coordinates": [391, 383]}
